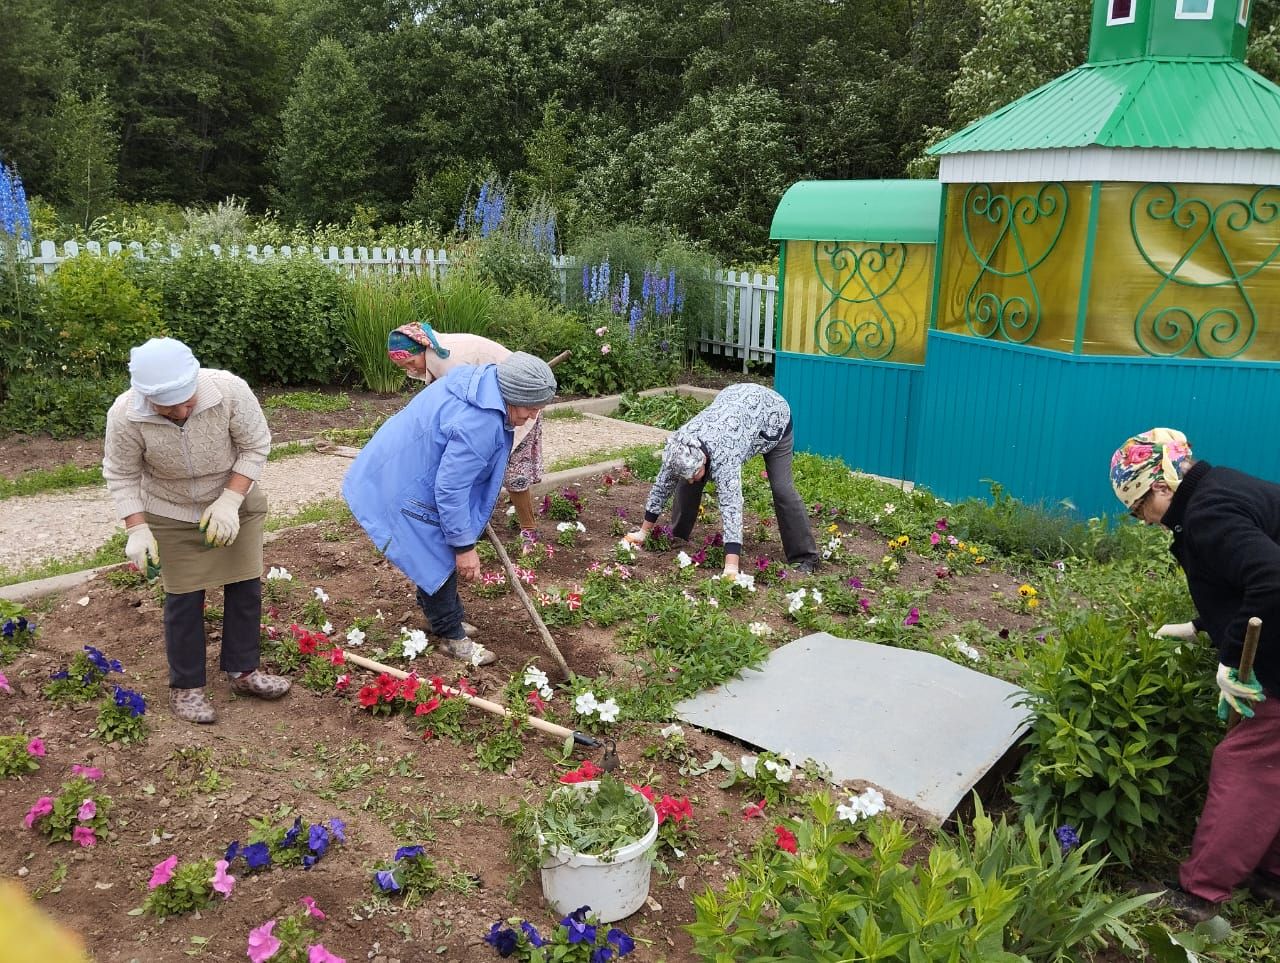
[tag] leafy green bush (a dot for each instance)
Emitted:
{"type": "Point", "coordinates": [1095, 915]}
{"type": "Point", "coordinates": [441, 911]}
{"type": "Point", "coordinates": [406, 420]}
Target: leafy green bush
{"type": "Point", "coordinates": [271, 322]}
{"type": "Point", "coordinates": [526, 322]}
{"type": "Point", "coordinates": [461, 303]}
{"type": "Point", "coordinates": [1032, 532]}
{"type": "Point", "coordinates": [512, 266]}
{"type": "Point", "coordinates": [1122, 725]}
{"type": "Point", "coordinates": [309, 401]}
{"type": "Point", "coordinates": [668, 410]}
{"type": "Point", "coordinates": [1006, 895]}
{"type": "Point", "coordinates": [63, 405]}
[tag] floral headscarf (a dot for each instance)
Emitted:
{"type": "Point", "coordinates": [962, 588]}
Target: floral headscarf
{"type": "Point", "coordinates": [413, 339]}
{"type": "Point", "coordinates": [1161, 454]}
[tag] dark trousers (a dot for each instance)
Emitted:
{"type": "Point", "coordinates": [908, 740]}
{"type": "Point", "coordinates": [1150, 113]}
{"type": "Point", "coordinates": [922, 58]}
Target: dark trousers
{"type": "Point", "coordinates": [793, 518]}
{"type": "Point", "coordinates": [443, 609]}
{"type": "Point", "coordinates": [184, 640]}
{"type": "Point", "coordinates": [1239, 828]}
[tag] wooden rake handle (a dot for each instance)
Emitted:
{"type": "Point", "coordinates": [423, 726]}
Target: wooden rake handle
{"type": "Point", "coordinates": [541, 626]}
{"type": "Point", "coordinates": [1245, 672]}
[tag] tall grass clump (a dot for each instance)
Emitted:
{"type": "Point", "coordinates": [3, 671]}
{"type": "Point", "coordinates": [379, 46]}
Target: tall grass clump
{"type": "Point", "coordinates": [377, 307]}
{"type": "Point", "coordinates": [461, 302]}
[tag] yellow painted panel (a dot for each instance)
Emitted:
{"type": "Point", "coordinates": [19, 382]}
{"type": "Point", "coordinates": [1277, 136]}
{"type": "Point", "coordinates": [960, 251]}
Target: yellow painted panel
{"type": "Point", "coordinates": [1011, 262]}
{"type": "Point", "coordinates": [852, 299]}
{"type": "Point", "coordinates": [1187, 270]}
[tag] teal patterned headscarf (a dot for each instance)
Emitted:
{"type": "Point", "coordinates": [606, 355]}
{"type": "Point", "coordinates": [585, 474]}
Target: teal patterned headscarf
{"type": "Point", "coordinates": [413, 339]}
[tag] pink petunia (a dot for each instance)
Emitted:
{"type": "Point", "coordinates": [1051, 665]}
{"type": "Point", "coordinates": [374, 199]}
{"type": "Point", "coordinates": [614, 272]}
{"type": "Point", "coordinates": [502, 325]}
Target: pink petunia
{"type": "Point", "coordinates": [222, 882]}
{"type": "Point", "coordinates": [162, 872]}
{"type": "Point", "coordinates": [92, 773]}
{"type": "Point", "coordinates": [84, 835]}
{"type": "Point", "coordinates": [4, 684]}
{"type": "Point", "coordinates": [318, 954]}
{"type": "Point", "coordinates": [310, 903]}
{"type": "Point", "coordinates": [36, 747]}
{"type": "Point", "coordinates": [913, 618]}
{"type": "Point", "coordinates": [934, 538]}
{"type": "Point", "coordinates": [262, 945]}
{"type": "Point", "coordinates": [43, 806]}
{"type": "Point", "coordinates": [88, 809]}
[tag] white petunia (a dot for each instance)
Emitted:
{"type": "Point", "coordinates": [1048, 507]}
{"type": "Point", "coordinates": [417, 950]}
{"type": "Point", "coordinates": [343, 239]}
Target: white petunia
{"type": "Point", "coordinates": [780, 770]}
{"type": "Point", "coordinates": [683, 560]}
{"type": "Point", "coordinates": [414, 642]}
{"type": "Point", "coordinates": [714, 603]}
{"type": "Point", "coordinates": [966, 649]}
{"type": "Point", "coordinates": [564, 527]}
{"type": "Point", "coordinates": [279, 575]}
{"type": "Point", "coordinates": [608, 710]}
{"type": "Point", "coordinates": [759, 629]}
{"type": "Point", "coordinates": [355, 637]}
{"type": "Point", "coordinates": [745, 580]}
{"type": "Point", "coordinates": [748, 766]}
{"type": "Point", "coordinates": [535, 677]}
{"type": "Point", "coordinates": [816, 596]}
{"type": "Point", "coordinates": [586, 704]}
{"type": "Point", "coordinates": [625, 546]}
{"type": "Point", "coordinates": [321, 594]}
{"type": "Point", "coordinates": [327, 628]}
{"type": "Point", "coordinates": [511, 510]}
{"type": "Point", "coordinates": [581, 527]}
{"type": "Point", "coordinates": [795, 600]}
{"type": "Point", "coordinates": [671, 730]}
{"type": "Point", "coordinates": [866, 804]}
{"type": "Point", "coordinates": [546, 692]}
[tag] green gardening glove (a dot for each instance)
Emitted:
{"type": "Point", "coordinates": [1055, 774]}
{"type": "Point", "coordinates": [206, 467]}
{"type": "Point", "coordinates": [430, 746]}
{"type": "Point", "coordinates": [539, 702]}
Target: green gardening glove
{"type": "Point", "coordinates": [1237, 695]}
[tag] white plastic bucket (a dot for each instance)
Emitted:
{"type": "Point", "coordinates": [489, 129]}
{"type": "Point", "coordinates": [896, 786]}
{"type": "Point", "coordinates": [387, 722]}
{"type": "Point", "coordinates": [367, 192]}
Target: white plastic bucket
{"type": "Point", "coordinates": [614, 886]}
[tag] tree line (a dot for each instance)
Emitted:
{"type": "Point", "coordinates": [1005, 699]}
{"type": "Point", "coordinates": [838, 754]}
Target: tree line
{"type": "Point", "coordinates": [691, 114]}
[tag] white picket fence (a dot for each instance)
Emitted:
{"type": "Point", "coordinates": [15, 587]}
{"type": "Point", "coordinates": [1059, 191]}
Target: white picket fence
{"type": "Point", "coordinates": [742, 328]}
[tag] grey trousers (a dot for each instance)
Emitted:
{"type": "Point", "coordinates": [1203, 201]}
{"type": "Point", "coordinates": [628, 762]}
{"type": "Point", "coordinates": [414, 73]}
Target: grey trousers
{"type": "Point", "coordinates": [798, 543]}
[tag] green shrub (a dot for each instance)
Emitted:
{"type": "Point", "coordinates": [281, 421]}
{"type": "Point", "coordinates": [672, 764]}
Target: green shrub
{"type": "Point", "coordinates": [1034, 532]}
{"type": "Point", "coordinates": [526, 322]}
{"type": "Point", "coordinates": [1007, 894]}
{"type": "Point", "coordinates": [270, 322]}
{"type": "Point", "coordinates": [460, 303]}
{"type": "Point", "coordinates": [309, 401]}
{"type": "Point", "coordinates": [1122, 725]}
{"type": "Point", "coordinates": [61, 405]}
{"type": "Point", "coordinates": [669, 410]}
{"type": "Point", "coordinates": [511, 266]}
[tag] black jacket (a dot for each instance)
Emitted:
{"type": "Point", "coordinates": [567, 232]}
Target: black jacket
{"type": "Point", "coordinates": [1226, 537]}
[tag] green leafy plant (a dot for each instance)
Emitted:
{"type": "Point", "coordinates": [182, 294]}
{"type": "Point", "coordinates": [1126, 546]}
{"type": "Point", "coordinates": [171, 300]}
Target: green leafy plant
{"type": "Point", "coordinates": [1122, 725]}
{"type": "Point", "coordinates": [411, 874]}
{"type": "Point", "coordinates": [82, 680]}
{"type": "Point", "coordinates": [17, 757]}
{"type": "Point", "coordinates": [580, 937]}
{"type": "Point", "coordinates": [311, 400]}
{"type": "Point", "coordinates": [77, 813]}
{"type": "Point", "coordinates": [461, 302]}
{"type": "Point", "coordinates": [377, 307]}
{"type": "Point", "coordinates": [189, 888]}
{"type": "Point", "coordinates": [17, 632]}
{"type": "Point", "coordinates": [593, 819]}
{"type": "Point", "coordinates": [668, 410]}
{"type": "Point", "coordinates": [121, 717]}
{"type": "Point", "coordinates": [501, 749]}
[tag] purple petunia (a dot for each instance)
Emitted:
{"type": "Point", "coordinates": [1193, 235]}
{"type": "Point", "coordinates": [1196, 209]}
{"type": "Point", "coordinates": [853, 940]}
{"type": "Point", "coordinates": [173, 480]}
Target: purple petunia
{"type": "Point", "coordinates": [386, 881]}
{"type": "Point", "coordinates": [621, 940]}
{"type": "Point", "coordinates": [339, 829]}
{"type": "Point", "coordinates": [318, 840]}
{"type": "Point", "coordinates": [257, 855]}
{"type": "Point", "coordinates": [503, 940]}
{"type": "Point", "coordinates": [408, 852]}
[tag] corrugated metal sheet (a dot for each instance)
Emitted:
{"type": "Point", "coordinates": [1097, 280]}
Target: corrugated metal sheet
{"type": "Point", "coordinates": [902, 211]}
{"type": "Point", "coordinates": [1044, 424]}
{"type": "Point", "coordinates": [1139, 164]}
{"type": "Point", "coordinates": [861, 411]}
{"type": "Point", "coordinates": [1187, 104]}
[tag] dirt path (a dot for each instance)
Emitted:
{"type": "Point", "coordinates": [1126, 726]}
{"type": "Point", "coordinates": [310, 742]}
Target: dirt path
{"type": "Point", "coordinates": [58, 526]}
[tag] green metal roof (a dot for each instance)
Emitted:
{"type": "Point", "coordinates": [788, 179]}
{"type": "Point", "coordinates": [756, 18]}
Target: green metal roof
{"type": "Point", "coordinates": [903, 211]}
{"type": "Point", "coordinates": [1148, 102]}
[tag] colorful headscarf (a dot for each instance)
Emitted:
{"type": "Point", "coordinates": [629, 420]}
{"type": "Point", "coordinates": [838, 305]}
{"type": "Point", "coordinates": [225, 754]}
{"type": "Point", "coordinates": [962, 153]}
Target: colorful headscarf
{"type": "Point", "coordinates": [1161, 454]}
{"type": "Point", "coordinates": [413, 339]}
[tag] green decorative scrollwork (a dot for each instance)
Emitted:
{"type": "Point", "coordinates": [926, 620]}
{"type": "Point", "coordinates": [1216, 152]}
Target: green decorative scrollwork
{"type": "Point", "coordinates": [861, 277]}
{"type": "Point", "coordinates": [1222, 331]}
{"type": "Point", "coordinates": [992, 304]}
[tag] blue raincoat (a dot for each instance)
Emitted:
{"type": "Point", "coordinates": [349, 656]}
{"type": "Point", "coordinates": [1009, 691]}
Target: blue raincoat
{"type": "Point", "coordinates": [426, 483]}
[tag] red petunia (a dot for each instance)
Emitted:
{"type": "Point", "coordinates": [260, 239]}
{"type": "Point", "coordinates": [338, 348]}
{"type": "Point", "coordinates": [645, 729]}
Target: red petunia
{"type": "Point", "coordinates": [674, 809]}
{"type": "Point", "coordinates": [409, 688]}
{"type": "Point", "coordinates": [388, 686]}
{"type": "Point", "coordinates": [464, 686]}
{"type": "Point", "coordinates": [646, 791]}
{"type": "Point", "coordinates": [368, 696]}
{"type": "Point", "coordinates": [428, 707]}
{"type": "Point", "coordinates": [754, 810]}
{"type": "Point", "coordinates": [535, 702]}
{"type": "Point", "coordinates": [786, 839]}
{"type": "Point", "coordinates": [584, 773]}
{"type": "Point", "coordinates": [343, 682]}
{"type": "Point", "coordinates": [307, 644]}
{"type": "Point", "coordinates": [337, 657]}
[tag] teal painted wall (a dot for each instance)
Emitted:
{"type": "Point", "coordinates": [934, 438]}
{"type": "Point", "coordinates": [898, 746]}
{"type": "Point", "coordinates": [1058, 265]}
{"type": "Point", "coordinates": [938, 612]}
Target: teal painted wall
{"type": "Point", "coordinates": [1044, 424]}
{"type": "Point", "coordinates": [861, 411]}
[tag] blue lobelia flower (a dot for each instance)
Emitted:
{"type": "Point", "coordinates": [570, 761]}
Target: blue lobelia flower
{"type": "Point", "coordinates": [318, 840]}
{"type": "Point", "coordinates": [291, 836]}
{"type": "Point", "coordinates": [408, 852]}
{"type": "Point", "coordinates": [257, 855]}
{"type": "Point", "coordinates": [531, 931]}
{"type": "Point", "coordinates": [503, 940]}
{"type": "Point", "coordinates": [621, 940]}
{"type": "Point", "coordinates": [339, 829]}
{"type": "Point", "coordinates": [232, 852]}
{"type": "Point", "coordinates": [386, 881]}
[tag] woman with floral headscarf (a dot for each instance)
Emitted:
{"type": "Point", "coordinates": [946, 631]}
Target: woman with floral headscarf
{"type": "Point", "coordinates": [427, 355]}
{"type": "Point", "coordinates": [1226, 538]}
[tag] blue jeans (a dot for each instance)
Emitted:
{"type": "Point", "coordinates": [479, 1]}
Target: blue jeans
{"type": "Point", "coordinates": [443, 609]}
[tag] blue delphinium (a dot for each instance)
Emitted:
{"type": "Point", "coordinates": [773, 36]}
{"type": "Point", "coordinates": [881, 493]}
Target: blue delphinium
{"type": "Point", "coordinates": [15, 215]}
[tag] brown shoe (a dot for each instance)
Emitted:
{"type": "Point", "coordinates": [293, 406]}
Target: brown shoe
{"type": "Point", "coordinates": [1188, 907]}
{"type": "Point", "coordinates": [191, 705]}
{"type": "Point", "coordinates": [260, 684]}
{"type": "Point", "coordinates": [469, 630]}
{"type": "Point", "coordinates": [1264, 887]}
{"type": "Point", "coordinates": [472, 652]}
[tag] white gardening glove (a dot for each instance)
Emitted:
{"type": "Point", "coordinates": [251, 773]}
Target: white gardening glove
{"type": "Point", "coordinates": [221, 520]}
{"type": "Point", "coordinates": [141, 547]}
{"type": "Point", "coordinates": [1236, 694]}
{"type": "Point", "coordinates": [635, 538]}
{"type": "Point", "coordinates": [1182, 631]}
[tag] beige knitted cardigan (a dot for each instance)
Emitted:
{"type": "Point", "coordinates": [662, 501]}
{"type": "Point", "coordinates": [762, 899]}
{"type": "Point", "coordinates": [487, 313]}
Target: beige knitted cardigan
{"type": "Point", "coordinates": [153, 465]}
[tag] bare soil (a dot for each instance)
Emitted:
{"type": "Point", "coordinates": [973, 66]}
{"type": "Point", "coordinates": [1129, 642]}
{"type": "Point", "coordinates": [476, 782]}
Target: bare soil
{"type": "Point", "coordinates": [305, 755]}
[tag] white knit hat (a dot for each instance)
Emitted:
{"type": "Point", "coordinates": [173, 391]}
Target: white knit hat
{"type": "Point", "coordinates": [163, 371]}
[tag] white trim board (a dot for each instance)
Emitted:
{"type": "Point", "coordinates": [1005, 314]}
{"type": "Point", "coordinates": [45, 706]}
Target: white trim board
{"type": "Point", "coordinates": [1144, 165]}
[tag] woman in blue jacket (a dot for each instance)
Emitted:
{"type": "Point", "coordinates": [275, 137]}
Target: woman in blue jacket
{"type": "Point", "coordinates": [424, 486]}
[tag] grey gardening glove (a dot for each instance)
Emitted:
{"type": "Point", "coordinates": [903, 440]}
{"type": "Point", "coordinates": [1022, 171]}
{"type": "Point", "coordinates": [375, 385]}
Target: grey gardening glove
{"type": "Point", "coordinates": [1182, 631]}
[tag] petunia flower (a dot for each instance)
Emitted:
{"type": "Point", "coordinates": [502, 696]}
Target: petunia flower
{"type": "Point", "coordinates": [343, 682]}
{"type": "Point", "coordinates": [386, 881]}
{"type": "Point", "coordinates": [621, 940]}
{"type": "Point", "coordinates": [43, 806]}
{"type": "Point", "coordinates": [535, 702]}
{"type": "Point", "coordinates": [579, 931]}
{"type": "Point", "coordinates": [913, 618]}
{"type": "Point", "coordinates": [162, 872]}
{"type": "Point", "coordinates": [339, 829]}
{"type": "Point", "coordinates": [257, 855]}
{"type": "Point", "coordinates": [503, 939]}
{"type": "Point", "coordinates": [222, 882]}
{"type": "Point", "coordinates": [428, 707]}
{"type": "Point", "coordinates": [318, 840]}
{"type": "Point", "coordinates": [318, 954]}
{"type": "Point", "coordinates": [320, 594]}
{"type": "Point", "coordinates": [88, 809]}
{"type": "Point", "coordinates": [586, 704]}
{"type": "Point", "coordinates": [36, 747]}
{"type": "Point", "coordinates": [368, 696]}
{"type": "Point", "coordinates": [262, 945]}
{"type": "Point", "coordinates": [4, 685]}
{"type": "Point", "coordinates": [310, 903]}
{"type": "Point", "coordinates": [786, 839]}
{"type": "Point", "coordinates": [608, 710]}
{"type": "Point", "coordinates": [465, 687]}
{"type": "Point", "coordinates": [84, 835]}
{"type": "Point", "coordinates": [291, 835]}
{"type": "Point", "coordinates": [754, 810]}
{"type": "Point", "coordinates": [409, 852]}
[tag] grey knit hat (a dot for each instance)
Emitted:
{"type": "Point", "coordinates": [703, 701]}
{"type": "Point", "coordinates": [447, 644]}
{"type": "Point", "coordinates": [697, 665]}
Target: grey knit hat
{"type": "Point", "coordinates": [526, 380]}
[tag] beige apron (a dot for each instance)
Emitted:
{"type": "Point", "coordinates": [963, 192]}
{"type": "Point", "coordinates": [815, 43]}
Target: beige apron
{"type": "Point", "coordinates": [187, 564]}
